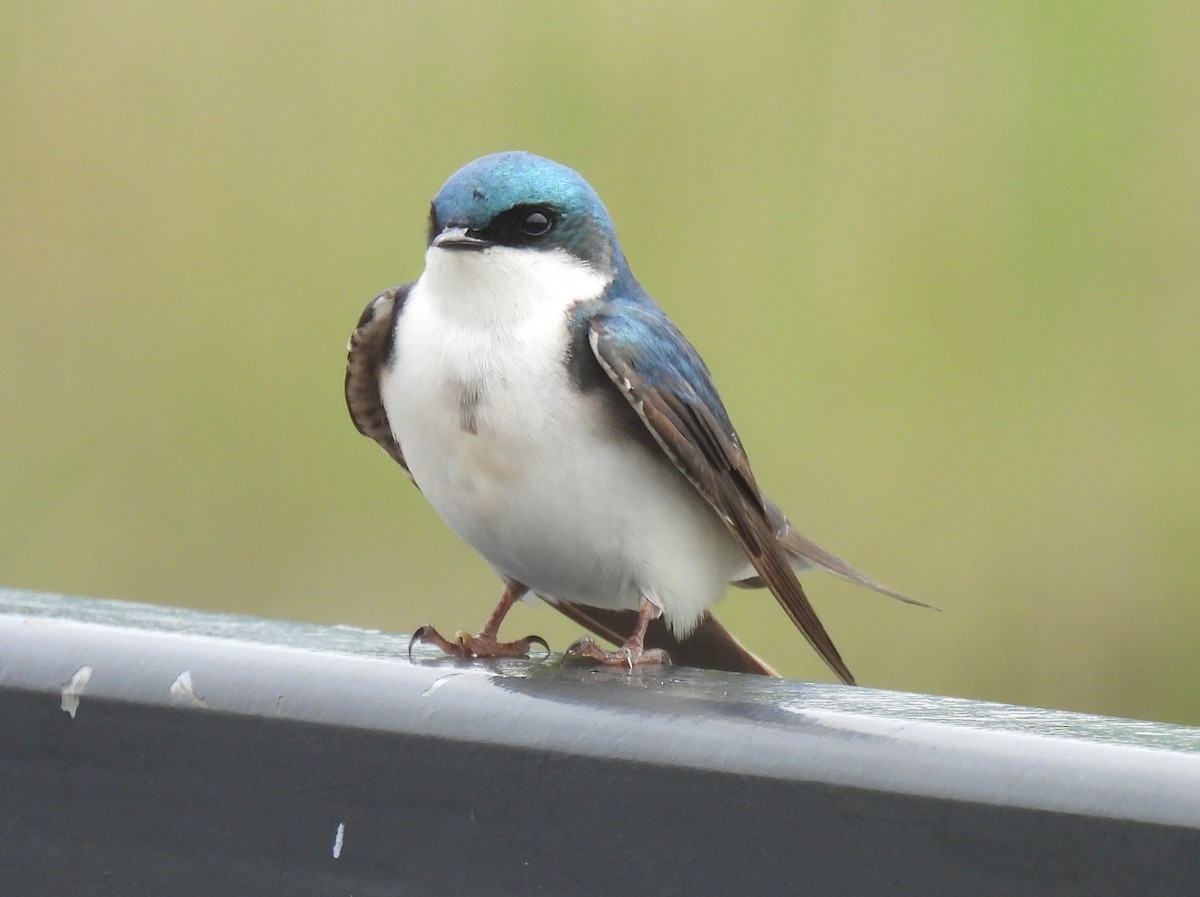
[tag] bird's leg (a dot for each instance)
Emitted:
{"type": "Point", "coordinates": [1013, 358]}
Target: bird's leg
{"type": "Point", "coordinates": [633, 652]}
{"type": "Point", "coordinates": [484, 643]}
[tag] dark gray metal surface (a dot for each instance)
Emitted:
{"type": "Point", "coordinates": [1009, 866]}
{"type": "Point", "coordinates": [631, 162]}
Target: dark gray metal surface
{"type": "Point", "coordinates": [213, 754]}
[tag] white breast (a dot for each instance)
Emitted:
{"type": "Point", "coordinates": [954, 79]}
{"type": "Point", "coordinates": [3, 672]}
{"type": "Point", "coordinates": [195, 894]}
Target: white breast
{"type": "Point", "coordinates": [524, 468]}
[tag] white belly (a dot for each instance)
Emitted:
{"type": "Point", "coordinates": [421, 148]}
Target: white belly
{"type": "Point", "coordinates": [530, 475]}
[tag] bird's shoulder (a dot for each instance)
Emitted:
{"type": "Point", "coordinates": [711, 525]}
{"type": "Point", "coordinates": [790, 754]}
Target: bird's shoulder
{"type": "Point", "coordinates": [647, 361]}
{"type": "Point", "coordinates": [625, 329]}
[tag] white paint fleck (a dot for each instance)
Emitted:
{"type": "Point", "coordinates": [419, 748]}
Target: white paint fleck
{"type": "Point", "coordinates": [337, 840]}
{"type": "Point", "coordinates": [73, 688]}
{"type": "Point", "coordinates": [182, 690]}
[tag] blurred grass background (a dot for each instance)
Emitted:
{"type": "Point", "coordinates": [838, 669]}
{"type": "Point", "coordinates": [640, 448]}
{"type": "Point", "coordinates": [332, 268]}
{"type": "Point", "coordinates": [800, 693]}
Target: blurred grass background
{"type": "Point", "coordinates": [944, 261]}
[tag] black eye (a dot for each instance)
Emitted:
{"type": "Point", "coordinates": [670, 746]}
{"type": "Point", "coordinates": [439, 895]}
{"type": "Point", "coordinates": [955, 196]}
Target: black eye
{"type": "Point", "coordinates": [536, 223]}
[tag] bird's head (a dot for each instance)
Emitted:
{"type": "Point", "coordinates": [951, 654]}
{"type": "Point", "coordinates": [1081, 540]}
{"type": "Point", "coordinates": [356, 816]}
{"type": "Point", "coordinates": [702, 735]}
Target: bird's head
{"type": "Point", "coordinates": [516, 200]}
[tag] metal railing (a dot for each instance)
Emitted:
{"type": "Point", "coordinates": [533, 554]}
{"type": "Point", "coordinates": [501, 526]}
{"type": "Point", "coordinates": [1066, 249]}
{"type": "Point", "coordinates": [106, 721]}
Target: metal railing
{"type": "Point", "coordinates": [148, 750]}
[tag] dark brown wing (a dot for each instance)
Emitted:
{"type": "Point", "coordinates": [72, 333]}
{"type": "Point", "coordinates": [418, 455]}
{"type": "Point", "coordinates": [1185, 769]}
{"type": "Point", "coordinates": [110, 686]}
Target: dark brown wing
{"type": "Point", "coordinates": [370, 346]}
{"type": "Point", "coordinates": [660, 375]}
{"type": "Point", "coordinates": [710, 645]}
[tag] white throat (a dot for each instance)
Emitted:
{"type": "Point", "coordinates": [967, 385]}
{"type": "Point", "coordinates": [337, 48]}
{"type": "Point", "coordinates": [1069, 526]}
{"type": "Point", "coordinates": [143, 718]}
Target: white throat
{"type": "Point", "coordinates": [501, 286]}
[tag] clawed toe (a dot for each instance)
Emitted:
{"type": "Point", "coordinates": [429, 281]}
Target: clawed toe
{"type": "Point", "coordinates": [430, 636]}
{"type": "Point", "coordinates": [585, 648]}
{"type": "Point", "coordinates": [481, 645]}
{"type": "Point", "coordinates": [628, 655]}
{"type": "Point", "coordinates": [530, 640]}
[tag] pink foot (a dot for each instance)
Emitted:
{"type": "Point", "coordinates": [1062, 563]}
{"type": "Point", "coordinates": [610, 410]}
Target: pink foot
{"type": "Point", "coordinates": [630, 654]}
{"type": "Point", "coordinates": [480, 645]}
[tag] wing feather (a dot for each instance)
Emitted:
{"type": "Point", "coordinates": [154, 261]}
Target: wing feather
{"type": "Point", "coordinates": [369, 347]}
{"type": "Point", "coordinates": [661, 376]}
{"type": "Point", "coordinates": [804, 548]}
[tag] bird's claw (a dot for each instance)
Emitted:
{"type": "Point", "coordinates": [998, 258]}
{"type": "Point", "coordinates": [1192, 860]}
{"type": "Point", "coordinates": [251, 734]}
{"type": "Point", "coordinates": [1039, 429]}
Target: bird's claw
{"type": "Point", "coordinates": [535, 640]}
{"type": "Point", "coordinates": [466, 645]}
{"type": "Point", "coordinates": [628, 655]}
{"type": "Point", "coordinates": [429, 635]}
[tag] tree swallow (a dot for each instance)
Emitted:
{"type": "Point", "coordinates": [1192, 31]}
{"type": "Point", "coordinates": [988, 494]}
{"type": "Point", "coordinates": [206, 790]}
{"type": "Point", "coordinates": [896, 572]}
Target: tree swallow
{"type": "Point", "coordinates": [562, 427]}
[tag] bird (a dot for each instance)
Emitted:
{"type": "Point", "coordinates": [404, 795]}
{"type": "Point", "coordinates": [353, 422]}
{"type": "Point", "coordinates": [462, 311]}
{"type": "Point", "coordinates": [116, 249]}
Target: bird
{"type": "Point", "coordinates": [562, 427]}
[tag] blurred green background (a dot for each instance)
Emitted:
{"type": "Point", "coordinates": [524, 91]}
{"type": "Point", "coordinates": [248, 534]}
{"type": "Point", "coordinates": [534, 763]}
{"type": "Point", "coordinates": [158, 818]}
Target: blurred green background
{"type": "Point", "coordinates": [944, 261]}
